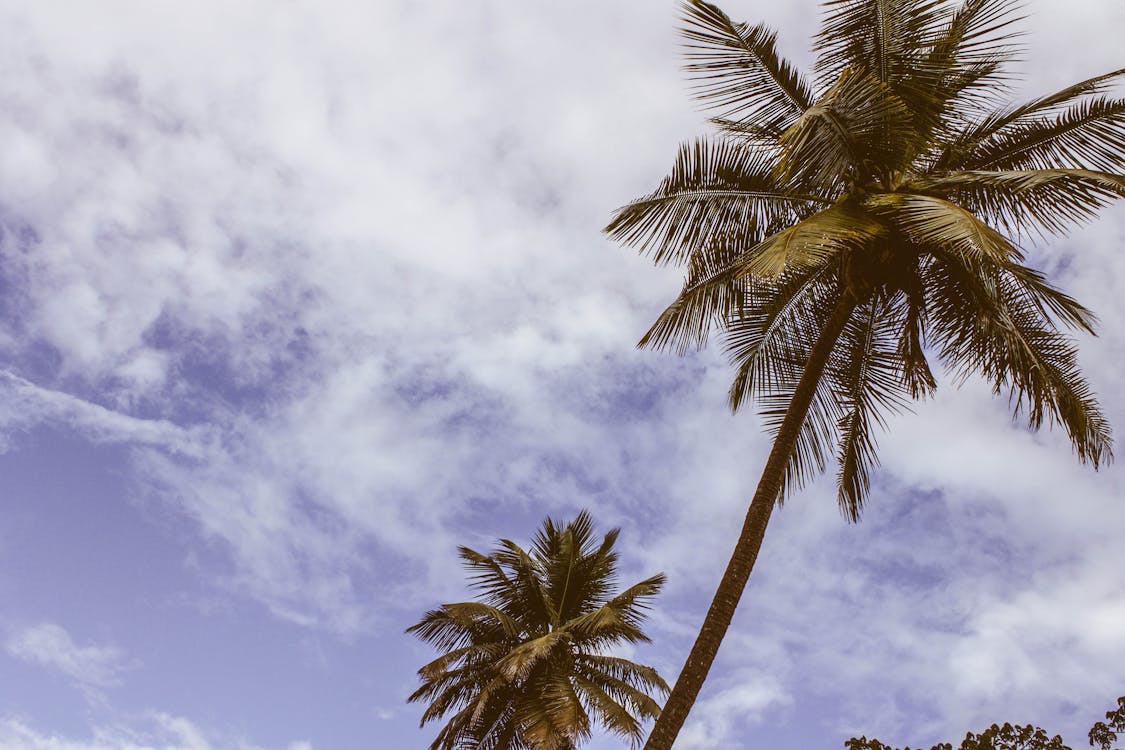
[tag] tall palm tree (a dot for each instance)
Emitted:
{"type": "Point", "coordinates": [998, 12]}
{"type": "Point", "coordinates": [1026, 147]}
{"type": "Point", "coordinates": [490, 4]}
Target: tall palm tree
{"type": "Point", "coordinates": [843, 231]}
{"type": "Point", "coordinates": [527, 666]}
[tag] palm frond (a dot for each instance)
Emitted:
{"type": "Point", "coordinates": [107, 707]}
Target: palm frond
{"type": "Point", "coordinates": [916, 374]}
{"type": "Point", "coordinates": [1089, 134]}
{"type": "Point", "coordinates": [866, 377]}
{"type": "Point", "coordinates": [637, 700]}
{"type": "Point", "coordinates": [811, 243]}
{"type": "Point", "coordinates": [737, 69]}
{"type": "Point", "coordinates": [589, 580]}
{"type": "Point", "coordinates": [768, 341]}
{"type": "Point", "coordinates": [881, 37]}
{"type": "Point", "coordinates": [931, 222]}
{"type": "Point", "coordinates": [619, 618]}
{"type": "Point", "coordinates": [963, 69]}
{"type": "Point", "coordinates": [644, 678]}
{"type": "Point", "coordinates": [722, 280]}
{"type": "Point", "coordinates": [987, 324]}
{"type": "Point", "coordinates": [457, 625]}
{"type": "Point", "coordinates": [978, 32]}
{"type": "Point", "coordinates": [716, 188]}
{"type": "Point", "coordinates": [1044, 201]}
{"type": "Point", "coordinates": [1032, 288]}
{"type": "Point", "coordinates": [441, 666]}
{"type": "Point", "coordinates": [769, 344]}
{"type": "Point", "coordinates": [959, 148]}
{"type": "Point", "coordinates": [712, 291]}
{"type": "Point", "coordinates": [518, 663]}
{"type": "Point", "coordinates": [612, 714]}
{"type": "Point", "coordinates": [858, 121]}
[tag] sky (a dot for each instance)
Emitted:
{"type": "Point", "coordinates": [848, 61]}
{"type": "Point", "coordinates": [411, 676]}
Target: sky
{"type": "Point", "coordinates": [296, 297]}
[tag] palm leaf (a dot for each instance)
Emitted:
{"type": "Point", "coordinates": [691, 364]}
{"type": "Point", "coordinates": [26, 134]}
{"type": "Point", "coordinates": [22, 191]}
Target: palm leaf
{"type": "Point", "coordinates": [811, 243]}
{"type": "Point", "coordinates": [866, 376]}
{"type": "Point", "coordinates": [768, 345]}
{"type": "Point", "coordinates": [930, 222]}
{"type": "Point", "coordinates": [737, 69]}
{"type": "Point", "coordinates": [1089, 134]}
{"type": "Point", "coordinates": [881, 37]}
{"type": "Point", "coordinates": [988, 325]}
{"type": "Point", "coordinates": [712, 291]}
{"type": "Point", "coordinates": [613, 715]}
{"type": "Point", "coordinates": [959, 151]}
{"type": "Point", "coordinates": [715, 189]}
{"type": "Point", "coordinates": [1045, 201]}
{"type": "Point", "coordinates": [859, 120]}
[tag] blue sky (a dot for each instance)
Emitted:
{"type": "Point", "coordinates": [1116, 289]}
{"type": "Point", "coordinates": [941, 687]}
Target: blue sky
{"type": "Point", "coordinates": [296, 297]}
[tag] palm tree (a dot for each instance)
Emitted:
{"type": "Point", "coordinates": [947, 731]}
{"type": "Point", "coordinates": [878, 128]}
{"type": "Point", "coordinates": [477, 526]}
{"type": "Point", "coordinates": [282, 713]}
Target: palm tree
{"type": "Point", "coordinates": [527, 666]}
{"type": "Point", "coordinates": [845, 230]}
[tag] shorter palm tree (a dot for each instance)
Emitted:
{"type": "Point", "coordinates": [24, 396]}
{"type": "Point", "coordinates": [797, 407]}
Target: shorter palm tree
{"type": "Point", "coordinates": [526, 666]}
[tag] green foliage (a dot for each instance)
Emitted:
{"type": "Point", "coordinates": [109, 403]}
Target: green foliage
{"type": "Point", "coordinates": [527, 666]}
{"type": "Point", "coordinates": [1104, 733]}
{"type": "Point", "coordinates": [900, 179]}
{"type": "Point", "coordinates": [1012, 737]}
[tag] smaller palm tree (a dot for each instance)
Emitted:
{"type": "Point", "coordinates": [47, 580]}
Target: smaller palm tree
{"type": "Point", "coordinates": [527, 665]}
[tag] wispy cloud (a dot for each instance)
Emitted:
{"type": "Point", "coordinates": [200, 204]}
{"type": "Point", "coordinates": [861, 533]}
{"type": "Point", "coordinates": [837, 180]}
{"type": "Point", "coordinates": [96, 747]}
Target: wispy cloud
{"type": "Point", "coordinates": [24, 404]}
{"type": "Point", "coordinates": [159, 730]}
{"type": "Point", "coordinates": [50, 646]}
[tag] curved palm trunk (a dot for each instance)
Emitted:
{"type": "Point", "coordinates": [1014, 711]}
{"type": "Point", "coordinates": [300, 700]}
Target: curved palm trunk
{"type": "Point", "coordinates": [734, 579]}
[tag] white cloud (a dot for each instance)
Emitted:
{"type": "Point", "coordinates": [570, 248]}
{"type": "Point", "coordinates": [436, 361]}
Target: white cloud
{"type": "Point", "coordinates": [736, 701]}
{"type": "Point", "coordinates": [158, 732]}
{"type": "Point", "coordinates": [50, 646]}
{"type": "Point", "coordinates": [24, 404]}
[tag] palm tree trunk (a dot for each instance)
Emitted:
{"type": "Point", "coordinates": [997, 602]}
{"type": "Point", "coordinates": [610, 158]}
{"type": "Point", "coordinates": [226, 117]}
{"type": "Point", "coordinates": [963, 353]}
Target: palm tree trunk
{"type": "Point", "coordinates": [734, 579]}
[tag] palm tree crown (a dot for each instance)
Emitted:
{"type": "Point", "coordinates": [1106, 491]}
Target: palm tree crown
{"type": "Point", "coordinates": [526, 666]}
{"type": "Point", "coordinates": [844, 230]}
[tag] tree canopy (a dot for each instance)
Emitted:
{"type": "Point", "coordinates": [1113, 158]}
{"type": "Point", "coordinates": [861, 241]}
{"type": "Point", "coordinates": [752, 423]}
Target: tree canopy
{"type": "Point", "coordinates": [528, 665]}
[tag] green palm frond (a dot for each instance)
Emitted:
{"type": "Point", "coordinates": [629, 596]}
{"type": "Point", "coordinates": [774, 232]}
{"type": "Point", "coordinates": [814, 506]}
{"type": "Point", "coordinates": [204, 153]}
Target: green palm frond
{"type": "Point", "coordinates": [768, 343]}
{"type": "Point", "coordinates": [519, 662]}
{"type": "Point", "coordinates": [737, 69]}
{"type": "Point", "coordinates": [988, 324]}
{"type": "Point", "coordinates": [556, 720]}
{"type": "Point", "coordinates": [616, 717]}
{"type": "Point", "coordinates": [866, 377]}
{"type": "Point", "coordinates": [721, 278]}
{"type": "Point", "coordinates": [884, 38]}
{"type": "Point", "coordinates": [1089, 135]}
{"type": "Point", "coordinates": [857, 122]}
{"type": "Point", "coordinates": [646, 679]}
{"type": "Point", "coordinates": [619, 619]}
{"type": "Point", "coordinates": [917, 377]}
{"type": "Point", "coordinates": [625, 693]}
{"type": "Point", "coordinates": [979, 32]}
{"type": "Point", "coordinates": [713, 290]}
{"type": "Point", "coordinates": [964, 149]}
{"type": "Point", "coordinates": [811, 243]}
{"type": "Point", "coordinates": [931, 222]}
{"type": "Point", "coordinates": [768, 340]}
{"type": "Point", "coordinates": [714, 188]}
{"type": "Point", "coordinates": [964, 67]}
{"type": "Point", "coordinates": [1032, 288]}
{"type": "Point", "coordinates": [1043, 201]}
